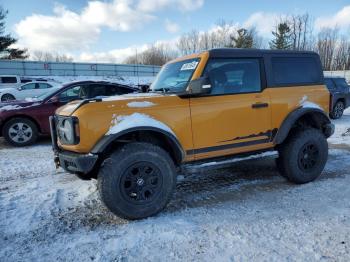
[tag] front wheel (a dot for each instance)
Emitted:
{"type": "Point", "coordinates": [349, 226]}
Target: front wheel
{"type": "Point", "coordinates": [137, 180]}
{"type": "Point", "coordinates": [20, 132]}
{"type": "Point", "coordinates": [303, 156]}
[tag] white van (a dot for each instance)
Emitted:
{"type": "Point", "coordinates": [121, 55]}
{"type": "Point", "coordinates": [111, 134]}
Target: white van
{"type": "Point", "coordinates": [7, 81]}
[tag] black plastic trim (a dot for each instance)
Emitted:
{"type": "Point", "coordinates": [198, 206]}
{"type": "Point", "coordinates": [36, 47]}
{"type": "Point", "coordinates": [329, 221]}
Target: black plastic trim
{"type": "Point", "coordinates": [293, 117]}
{"type": "Point", "coordinates": [228, 146]}
{"type": "Point", "coordinates": [105, 141]}
{"type": "Point", "coordinates": [77, 163]}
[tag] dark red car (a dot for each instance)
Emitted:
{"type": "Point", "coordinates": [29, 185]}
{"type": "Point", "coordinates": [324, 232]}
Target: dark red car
{"type": "Point", "coordinates": [21, 122]}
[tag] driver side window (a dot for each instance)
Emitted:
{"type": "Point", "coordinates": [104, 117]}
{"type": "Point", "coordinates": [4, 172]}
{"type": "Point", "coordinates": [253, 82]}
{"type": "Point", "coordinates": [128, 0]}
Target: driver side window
{"type": "Point", "coordinates": [70, 94]}
{"type": "Point", "coordinates": [233, 76]}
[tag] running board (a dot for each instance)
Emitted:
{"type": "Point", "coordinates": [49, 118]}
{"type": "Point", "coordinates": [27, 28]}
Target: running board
{"type": "Point", "coordinates": [227, 162]}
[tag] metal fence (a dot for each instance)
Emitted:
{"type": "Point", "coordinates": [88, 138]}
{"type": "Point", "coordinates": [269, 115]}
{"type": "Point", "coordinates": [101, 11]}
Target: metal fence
{"type": "Point", "coordinates": [31, 68]}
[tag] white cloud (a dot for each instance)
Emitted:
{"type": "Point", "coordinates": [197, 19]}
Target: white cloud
{"type": "Point", "coordinates": [182, 5]}
{"type": "Point", "coordinates": [264, 23]}
{"type": "Point", "coordinates": [119, 55]}
{"type": "Point", "coordinates": [118, 15]}
{"type": "Point", "coordinates": [64, 31]}
{"type": "Point", "coordinates": [341, 19]}
{"type": "Point", "coordinates": [112, 56]}
{"type": "Point", "coordinates": [68, 31]}
{"type": "Point", "coordinates": [171, 27]}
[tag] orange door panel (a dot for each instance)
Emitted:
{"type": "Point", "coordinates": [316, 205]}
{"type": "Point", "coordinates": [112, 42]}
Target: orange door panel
{"type": "Point", "coordinates": [229, 124]}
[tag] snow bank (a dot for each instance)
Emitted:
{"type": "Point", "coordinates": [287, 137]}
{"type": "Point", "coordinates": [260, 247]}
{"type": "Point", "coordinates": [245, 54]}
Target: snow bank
{"type": "Point", "coordinates": [120, 123]}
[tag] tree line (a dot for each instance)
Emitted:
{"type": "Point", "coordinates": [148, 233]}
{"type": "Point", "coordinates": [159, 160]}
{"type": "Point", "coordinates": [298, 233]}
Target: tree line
{"type": "Point", "coordinates": [295, 32]}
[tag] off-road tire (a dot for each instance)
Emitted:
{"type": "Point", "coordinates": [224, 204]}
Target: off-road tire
{"type": "Point", "coordinates": [25, 122]}
{"type": "Point", "coordinates": [337, 111]}
{"type": "Point", "coordinates": [7, 97]}
{"type": "Point", "coordinates": [303, 156]}
{"type": "Point", "coordinates": [116, 179]}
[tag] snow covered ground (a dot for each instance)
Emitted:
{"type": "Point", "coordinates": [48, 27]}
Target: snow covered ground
{"type": "Point", "coordinates": [243, 213]}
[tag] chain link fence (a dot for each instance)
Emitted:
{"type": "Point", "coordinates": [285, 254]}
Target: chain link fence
{"type": "Point", "coordinates": [32, 68]}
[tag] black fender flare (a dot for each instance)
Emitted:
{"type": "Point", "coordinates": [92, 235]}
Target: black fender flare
{"type": "Point", "coordinates": [106, 140]}
{"type": "Point", "coordinates": [318, 115]}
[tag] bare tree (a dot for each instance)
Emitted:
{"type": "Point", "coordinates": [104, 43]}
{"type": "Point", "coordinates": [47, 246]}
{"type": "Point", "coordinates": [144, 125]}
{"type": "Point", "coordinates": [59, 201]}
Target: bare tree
{"type": "Point", "coordinates": [50, 57]}
{"type": "Point", "coordinates": [342, 55]}
{"type": "Point", "coordinates": [153, 55]}
{"type": "Point", "coordinates": [326, 46]}
{"type": "Point", "coordinates": [301, 31]}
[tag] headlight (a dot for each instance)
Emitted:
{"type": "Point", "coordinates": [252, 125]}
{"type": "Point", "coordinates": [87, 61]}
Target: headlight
{"type": "Point", "coordinates": [66, 129]}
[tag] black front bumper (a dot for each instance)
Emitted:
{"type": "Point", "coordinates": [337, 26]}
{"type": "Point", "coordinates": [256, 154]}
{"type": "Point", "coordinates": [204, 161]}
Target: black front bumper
{"type": "Point", "coordinates": [76, 163]}
{"type": "Point", "coordinates": [69, 161]}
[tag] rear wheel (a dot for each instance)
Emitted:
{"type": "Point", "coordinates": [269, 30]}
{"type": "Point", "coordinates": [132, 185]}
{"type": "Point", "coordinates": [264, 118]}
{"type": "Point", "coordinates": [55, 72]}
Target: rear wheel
{"type": "Point", "coordinates": [338, 110]}
{"type": "Point", "coordinates": [303, 156]}
{"type": "Point", "coordinates": [7, 97]}
{"type": "Point", "coordinates": [137, 180]}
{"type": "Point", "coordinates": [20, 132]}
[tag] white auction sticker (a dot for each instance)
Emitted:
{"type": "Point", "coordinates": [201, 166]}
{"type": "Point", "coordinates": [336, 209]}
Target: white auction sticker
{"type": "Point", "coordinates": [189, 66]}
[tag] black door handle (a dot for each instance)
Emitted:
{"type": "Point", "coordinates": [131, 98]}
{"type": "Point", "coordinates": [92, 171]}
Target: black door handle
{"type": "Point", "coordinates": [259, 105]}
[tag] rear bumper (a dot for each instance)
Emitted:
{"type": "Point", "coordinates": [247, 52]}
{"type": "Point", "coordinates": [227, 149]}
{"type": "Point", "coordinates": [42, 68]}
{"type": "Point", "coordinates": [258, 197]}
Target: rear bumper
{"type": "Point", "coordinates": [69, 161]}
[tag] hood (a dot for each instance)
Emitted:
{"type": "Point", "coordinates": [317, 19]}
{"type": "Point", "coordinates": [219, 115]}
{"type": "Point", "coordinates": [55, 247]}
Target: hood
{"type": "Point", "coordinates": [16, 105]}
{"type": "Point", "coordinates": [69, 108]}
{"type": "Point", "coordinates": [135, 99]}
{"type": "Point", "coordinates": [8, 89]}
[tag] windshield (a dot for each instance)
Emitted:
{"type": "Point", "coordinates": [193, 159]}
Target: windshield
{"type": "Point", "coordinates": [174, 77]}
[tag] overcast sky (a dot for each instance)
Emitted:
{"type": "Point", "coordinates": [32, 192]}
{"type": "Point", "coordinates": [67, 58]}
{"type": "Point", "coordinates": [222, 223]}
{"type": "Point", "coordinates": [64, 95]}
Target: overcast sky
{"type": "Point", "coordinates": [99, 30]}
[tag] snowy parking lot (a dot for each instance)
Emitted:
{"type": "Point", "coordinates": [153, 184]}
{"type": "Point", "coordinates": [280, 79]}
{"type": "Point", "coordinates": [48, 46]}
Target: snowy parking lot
{"type": "Point", "coordinates": [245, 212]}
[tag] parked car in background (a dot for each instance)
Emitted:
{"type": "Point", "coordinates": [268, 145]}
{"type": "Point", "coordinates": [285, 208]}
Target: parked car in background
{"type": "Point", "coordinates": [26, 90]}
{"type": "Point", "coordinates": [7, 81]}
{"type": "Point", "coordinates": [21, 122]}
{"type": "Point", "coordinates": [340, 96]}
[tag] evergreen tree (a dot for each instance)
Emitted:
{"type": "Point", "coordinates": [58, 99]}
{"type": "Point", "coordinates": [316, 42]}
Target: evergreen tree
{"type": "Point", "coordinates": [6, 40]}
{"type": "Point", "coordinates": [244, 39]}
{"type": "Point", "coordinates": [282, 37]}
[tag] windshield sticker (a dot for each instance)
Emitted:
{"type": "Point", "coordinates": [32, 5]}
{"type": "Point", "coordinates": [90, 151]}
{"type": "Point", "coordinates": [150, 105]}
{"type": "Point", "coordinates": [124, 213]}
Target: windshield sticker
{"type": "Point", "coordinates": [189, 66]}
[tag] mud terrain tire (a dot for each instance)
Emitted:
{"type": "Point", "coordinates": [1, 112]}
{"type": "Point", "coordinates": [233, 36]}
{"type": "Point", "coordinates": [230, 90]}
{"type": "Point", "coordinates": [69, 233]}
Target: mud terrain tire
{"type": "Point", "coordinates": [303, 156]}
{"type": "Point", "coordinates": [137, 180]}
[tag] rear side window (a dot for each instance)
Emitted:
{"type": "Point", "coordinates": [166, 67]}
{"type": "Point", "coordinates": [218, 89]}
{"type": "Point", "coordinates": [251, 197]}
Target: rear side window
{"type": "Point", "coordinates": [295, 71]}
{"type": "Point", "coordinates": [117, 90]}
{"type": "Point", "coordinates": [9, 80]}
{"type": "Point", "coordinates": [44, 86]}
{"type": "Point", "coordinates": [29, 86]}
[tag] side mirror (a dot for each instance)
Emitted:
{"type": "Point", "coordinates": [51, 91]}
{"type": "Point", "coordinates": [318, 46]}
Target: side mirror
{"type": "Point", "coordinates": [55, 100]}
{"type": "Point", "coordinates": [199, 86]}
{"type": "Point", "coordinates": [19, 89]}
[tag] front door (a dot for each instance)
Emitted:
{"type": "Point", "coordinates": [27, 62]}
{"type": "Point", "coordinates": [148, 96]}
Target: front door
{"type": "Point", "coordinates": [235, 117]}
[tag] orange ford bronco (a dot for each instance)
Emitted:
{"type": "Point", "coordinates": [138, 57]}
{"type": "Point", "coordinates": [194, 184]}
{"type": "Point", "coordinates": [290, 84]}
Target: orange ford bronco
{"type": "Point", "coordinates": [217, 104]}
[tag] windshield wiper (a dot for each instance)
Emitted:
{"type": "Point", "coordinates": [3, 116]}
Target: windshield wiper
{"type": "Point", "coordinates": [164, 89]}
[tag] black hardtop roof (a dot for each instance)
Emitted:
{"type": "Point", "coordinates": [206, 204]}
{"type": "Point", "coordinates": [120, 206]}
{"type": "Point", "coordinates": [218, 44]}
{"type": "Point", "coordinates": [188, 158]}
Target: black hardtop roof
{"type": "Point", "coordinates": [244, 52]}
